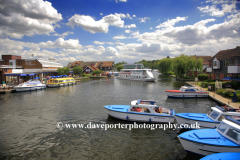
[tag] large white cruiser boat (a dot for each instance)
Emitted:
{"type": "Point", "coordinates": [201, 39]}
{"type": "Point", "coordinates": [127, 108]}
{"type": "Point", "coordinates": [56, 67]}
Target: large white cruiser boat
{"type": "Point", "coordinates": [137, 75]}
{"type": "Point", "coordinates": [31, 85]}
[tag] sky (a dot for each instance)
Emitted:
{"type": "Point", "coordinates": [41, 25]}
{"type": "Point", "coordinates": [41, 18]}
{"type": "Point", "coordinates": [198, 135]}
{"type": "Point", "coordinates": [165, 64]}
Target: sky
{"type": "Point", "coordinates": [117, 30]}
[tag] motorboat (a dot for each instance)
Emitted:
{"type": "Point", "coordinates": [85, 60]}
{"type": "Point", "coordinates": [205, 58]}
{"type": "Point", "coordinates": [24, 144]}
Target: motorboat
{"type": "Point", "coordinates": [141, 111]}
{"type": "Point", "coordinates": [225, 138]}
{"type": "Point", "coordinates": [210, 120]}
{"type": "Point", "coordinates": [136, 75]}
{"type": "Point", "coordinates": [60, 82]}
{"type": "Point", "coordinates": [186, 92]}
{"type": "Point", "coordinates": [30, 85]}
{"type": "Point", "coordinates": [223, 156]}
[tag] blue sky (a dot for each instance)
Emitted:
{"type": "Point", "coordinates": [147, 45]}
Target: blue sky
{"type": "Point", "coordinates": [117, 30]}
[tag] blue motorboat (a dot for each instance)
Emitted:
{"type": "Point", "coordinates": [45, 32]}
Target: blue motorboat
{"type": "Point", "coordinates": [225, 138]}
{"type": "Point", "coordinates": [141, 111]}
{"type": "Point", "coordinates": [210, 120]}
{"type": "Point", "coordinates": [223, 156]}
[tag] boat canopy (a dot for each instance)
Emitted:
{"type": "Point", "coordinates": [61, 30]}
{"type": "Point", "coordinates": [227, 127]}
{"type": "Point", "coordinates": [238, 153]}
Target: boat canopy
{"type": "Point", "coordinates": [37, 78]}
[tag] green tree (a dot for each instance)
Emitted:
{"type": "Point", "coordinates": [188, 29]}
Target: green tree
{"type": "Point", "coordinates": [164, 65]}
{"type": "Point", "coordinates": [60, 71]}
{"type": "Point", "coordinates": [199, 64]}
{"type": "Point", "coordinates": [119, 67]}
{"type": "Point", "coordinates": [77, 70]}
{"type": "Point", "coordinates": [63, 71]}
{"type": "Point", "coordinates": [119, 63]}
{"type": "Point", "coordinates": [97, 72]}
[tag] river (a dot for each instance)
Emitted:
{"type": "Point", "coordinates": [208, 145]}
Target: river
{"type": "Point", "coordinates": [28, 122]}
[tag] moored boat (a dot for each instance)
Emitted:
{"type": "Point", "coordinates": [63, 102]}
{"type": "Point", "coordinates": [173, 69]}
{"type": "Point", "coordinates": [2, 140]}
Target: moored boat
{"type": "Point", "coordinates": [211, 120]}
{"type": "Point", "coordinates": [223, 156]}
{"type": "Point", "coordinates": [31, 85]}
{"type": "Point", "coordinates": [186, 92]}
{"type": "Point", "coordinates": [60, 82]}
{"type": "Point", "coordinates": [225, 138]}
{"type": "Point", "coordinates": [136, 75]}
{"type": "Point", "coordinates": [141, 111]}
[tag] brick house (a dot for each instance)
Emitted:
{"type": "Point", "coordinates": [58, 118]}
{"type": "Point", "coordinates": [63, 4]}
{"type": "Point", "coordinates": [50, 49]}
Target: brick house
{"type": "Point", "coordinates": [13, 68]}
{"type": "Point", "coordinates": [225, 63]}
{"type": "Point", "coordinates": [205, 65]}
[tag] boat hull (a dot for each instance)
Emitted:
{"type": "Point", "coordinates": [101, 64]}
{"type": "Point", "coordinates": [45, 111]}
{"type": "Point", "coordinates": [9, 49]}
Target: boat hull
{"type": "Point", "coordinates": [24, 89]}
{"type": "Point", "coordinates": [140, 117]}
{"type": "Point", "coordinates": [186, 95]}
{"type": "Point", "coordinates": [138, 79]}
{"type": "Point", "coordinates": [191, 122]}
{"type": "Point", "coordinates": [205, 149]}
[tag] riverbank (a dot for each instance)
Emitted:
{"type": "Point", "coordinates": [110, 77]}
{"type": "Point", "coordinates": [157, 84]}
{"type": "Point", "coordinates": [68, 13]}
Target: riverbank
{"type": "Point", "coordinates": [181, 78]}
{"type": "Point", "coordinates": [217, 97]}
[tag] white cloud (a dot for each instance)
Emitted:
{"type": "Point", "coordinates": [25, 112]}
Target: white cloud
{"type": "Point", "coordinates": [101, 14]}
{"type": "Point", "coordinates": [128, 31]}
{"type": "Point", "coordinates": [63, 34]}
{"type": "Point", "coordinates": [27, 17]}
{"type": "Point", "coordinates": [120, 37]}
{"type": "Point", "coordinates": [144, 19]}
{"type": "Point", "coordinates": [130, 26]}
{"type": "Point", "coordinates": [102, 43]}
{"type": "Point", "coordinates": [172, 22]}
{"type": "Point", "coordinates": [134, 15]}
{"type": "Point", "coordinates": [93, 26]}
{"type": "Point", "coordinates": [214, 11]}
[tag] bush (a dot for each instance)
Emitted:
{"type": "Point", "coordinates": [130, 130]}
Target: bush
{"type": "Point", "coordinates": [220, 91]}
{"type": "Point", "coordinates": [209, 80]}
{"type": "Point", "coordinates": [235, 84]}
{"type": "Point", "coordinates": [89, 75]}
{"type": "Point", "coordinates": [228, 92]}
{"type": "Point", "coordinates": [203, 77]}
{"type": "Point", "coordinates": [84, 75]}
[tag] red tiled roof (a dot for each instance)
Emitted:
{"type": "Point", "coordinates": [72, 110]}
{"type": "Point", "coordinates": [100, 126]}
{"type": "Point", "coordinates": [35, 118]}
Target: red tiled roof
{"type": "Point", "coordinates": [227, 54]}
{"type": "Point", "coordinates": [205, 58]}
{"type": "Point", "coordinates": [78, 62]}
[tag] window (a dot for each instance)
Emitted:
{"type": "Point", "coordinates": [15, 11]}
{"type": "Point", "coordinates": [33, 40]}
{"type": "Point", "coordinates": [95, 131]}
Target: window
{"type": "Point", "coordinates": [76, 64]}
{"type": "Point", "coordinates": [222, 127]}
{"type": "Point", "coordinates": [234, 134]}
{"type": "Point", "coordinates": [10, 63]}
{"type": "Point", "coordinates": [226, 63]}
{"type": "Point", "coordinates": [214, 63]}
{"type": "Point", "coordinates": [214, 115]}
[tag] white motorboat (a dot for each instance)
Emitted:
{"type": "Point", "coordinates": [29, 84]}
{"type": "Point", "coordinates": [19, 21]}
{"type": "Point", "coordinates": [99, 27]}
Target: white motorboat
{"type": "Point", "coordinates": [141, 111]}
{"type": "Point", "coordinates": [225, 138]}
{"type": "Point", "coordinates": [211, 120]}
{"type": "Point", "coordinates": [186, 92]}
{"type": "Point", "coordinates": [136, 75]}
{"type": "Point", "coordinates": [30, 85]}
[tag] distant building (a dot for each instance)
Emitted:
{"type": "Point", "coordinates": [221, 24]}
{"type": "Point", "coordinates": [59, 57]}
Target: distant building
{"type": "Point", "coordinates": [13, 68]}
{"type": "Point", "coordinates": [205, 65]}
{"type": "Point", "coordinates": [88, 67]}
{"type": "Point", "coordinates": [225, 63]}
{"type": "Point", "coordinates": [133, 66]}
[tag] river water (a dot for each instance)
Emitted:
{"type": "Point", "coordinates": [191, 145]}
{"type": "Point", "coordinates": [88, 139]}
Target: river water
{"type": "Point", "coordinates": [28, 122]}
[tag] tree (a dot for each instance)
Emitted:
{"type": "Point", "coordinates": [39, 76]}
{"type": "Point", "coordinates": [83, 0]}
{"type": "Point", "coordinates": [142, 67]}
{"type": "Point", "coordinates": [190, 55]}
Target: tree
{"type": "Point", "coordinates": [97, 72]}
{"type": "Point", "coordinates": [63, 71]}
{"type": "Point", "coordinates": [164, 65]}
{"type": "Point", "coordinates": [119, 63]}
{"type": "Point", "coordinates": [77, 70]}
{"type": "Point", "coordinates": [119, 67]}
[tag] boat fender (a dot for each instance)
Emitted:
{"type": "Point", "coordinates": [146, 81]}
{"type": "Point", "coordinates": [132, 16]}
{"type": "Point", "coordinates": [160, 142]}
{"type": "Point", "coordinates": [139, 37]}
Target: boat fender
{"type": "Point", "coordinates": [171, 111]}
{"type": "Point", "coordinates": [196, 95]}
{"type": "Point", "coordinates": [127, 118]}
{"type": "Point", "coordinates": [58, 85]}
{"type": "Point", "coordinates": [150, 120]}
{"type": "Point", "coordinates": [183, 95]}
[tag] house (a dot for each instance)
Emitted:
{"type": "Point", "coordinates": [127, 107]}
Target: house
{"type": "Point", "coordinates": [89, 67]}
{"type": "Point", "coordinates": [13, 68]}
{"type": "Point", "coordinates": [225, 63]}
{"type": "Point", "coordinates": [205, 65]}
